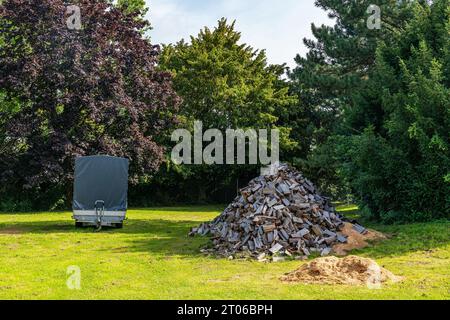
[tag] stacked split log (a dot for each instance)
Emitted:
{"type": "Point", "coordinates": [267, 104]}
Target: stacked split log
{"type": "Point", "coordinates": [276, 216]}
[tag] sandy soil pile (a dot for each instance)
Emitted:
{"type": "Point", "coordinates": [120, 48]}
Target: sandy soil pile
{"type": "Point", "coordinates": [356, 240]}
{"type": "Point", "coordinates": [351, 270]}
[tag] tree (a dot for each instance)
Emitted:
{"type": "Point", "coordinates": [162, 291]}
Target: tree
{"type": "Point", "coordinates": [400, 164]}
{"type": "Point", "coordinates": [226, 85]}
{"type": "Point", "coordinates": [81, 92]}
{"type": "Point", "coordinates": [136, 7]}
{"type": "Point", "coordinates": [133, 6]}
{"type": "Point", "coordinates": [386, 95]}
{"type": "Point", "coordinates": [335, 68]}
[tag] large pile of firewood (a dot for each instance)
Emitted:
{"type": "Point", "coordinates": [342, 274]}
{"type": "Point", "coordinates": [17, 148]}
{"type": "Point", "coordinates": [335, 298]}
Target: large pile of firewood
{"type": "Point", "coordinates": [276, 216]}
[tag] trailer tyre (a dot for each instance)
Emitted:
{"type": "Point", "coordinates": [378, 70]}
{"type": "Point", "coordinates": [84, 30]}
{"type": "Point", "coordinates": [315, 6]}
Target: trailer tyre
{"type": "Point", "coordinates": [119, 225]}
{"type": "Point", "coordinates": [79, 224]}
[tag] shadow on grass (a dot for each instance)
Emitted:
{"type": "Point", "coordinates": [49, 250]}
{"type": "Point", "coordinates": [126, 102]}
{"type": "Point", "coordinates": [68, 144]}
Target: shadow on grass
{"type": "Point", "coordinates": [156, 236]}
{"type": "Point", "coordinates": [162, 237]}
{"type": "Point", "coordinates": [166, 238]}
{"type": "Point", "coordinates": [187, 209]}
{"type": "Point", "coordinates": [402, 239]}
{"type": "Point", "coordinates": [131, 226]}
{"type": "Point", "coordinates": [199, 209]}
{"type": "Point", "coordinates": [170, 237]}
{"type": "Point", "coordinates": [408, 238]}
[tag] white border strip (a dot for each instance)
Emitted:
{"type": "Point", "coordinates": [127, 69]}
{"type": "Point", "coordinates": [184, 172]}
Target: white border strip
{"type": "Point", "coordinates": [105, 213]}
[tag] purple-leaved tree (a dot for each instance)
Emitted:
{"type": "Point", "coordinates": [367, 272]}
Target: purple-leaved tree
{"type": "Point", "coordinates": [90, 91]}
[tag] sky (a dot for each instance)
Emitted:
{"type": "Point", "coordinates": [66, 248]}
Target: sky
{"type": "Point", "coordinates": [275, 25]}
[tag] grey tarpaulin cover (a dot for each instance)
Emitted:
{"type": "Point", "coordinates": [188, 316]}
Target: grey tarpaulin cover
{"type": "Point", "coordinates": [100, 178]}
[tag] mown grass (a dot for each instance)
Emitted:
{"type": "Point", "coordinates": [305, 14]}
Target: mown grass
{"type": "Point", "coordinates": [152, 258]}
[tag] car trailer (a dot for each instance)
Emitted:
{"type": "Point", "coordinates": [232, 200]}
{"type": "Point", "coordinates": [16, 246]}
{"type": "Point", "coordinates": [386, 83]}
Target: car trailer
{"type": "Point", "coordinates": [100, 191]}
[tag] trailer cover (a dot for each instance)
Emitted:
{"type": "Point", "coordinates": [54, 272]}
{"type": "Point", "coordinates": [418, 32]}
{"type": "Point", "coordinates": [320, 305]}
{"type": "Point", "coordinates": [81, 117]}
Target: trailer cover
{"type": "Point", "coordinates": [100, 178]}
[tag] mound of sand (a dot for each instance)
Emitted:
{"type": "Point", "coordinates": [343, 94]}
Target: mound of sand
{"type": "Point", "coordinates": [351, 270]}
{"type": "Point", "coordinates": [356, 240]}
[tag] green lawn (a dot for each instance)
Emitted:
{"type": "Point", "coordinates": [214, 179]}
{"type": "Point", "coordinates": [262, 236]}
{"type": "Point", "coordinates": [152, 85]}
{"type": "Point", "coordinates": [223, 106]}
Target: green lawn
{"type": "Point", "coordinates": [152, 258]}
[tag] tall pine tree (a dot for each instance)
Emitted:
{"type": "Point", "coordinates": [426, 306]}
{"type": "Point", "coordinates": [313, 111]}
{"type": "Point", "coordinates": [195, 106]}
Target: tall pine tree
{"type": "Point", "coordinates": [381, 98]}
{"type": "Point", "coordinates": [336, 66]}
{"type": "Point", "coordinates": [226, 84]}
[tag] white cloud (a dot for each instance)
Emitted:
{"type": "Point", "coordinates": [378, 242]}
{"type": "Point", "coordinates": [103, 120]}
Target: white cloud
{"type": "Point", "coordinates": [277, 26]}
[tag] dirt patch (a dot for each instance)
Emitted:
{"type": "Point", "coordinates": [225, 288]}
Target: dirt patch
{"type": "Point", "coordinates": [351, 270]}
{"type": "Point", "coordinates": [11, 230]}
{"type": "Point", "coordinates": [356, 240]}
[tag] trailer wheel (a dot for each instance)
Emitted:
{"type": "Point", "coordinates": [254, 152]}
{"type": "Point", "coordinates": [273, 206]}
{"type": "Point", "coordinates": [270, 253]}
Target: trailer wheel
{"type": "Point", "coordinates": [78, 224]}
{"type": "Point", "coordinates": [119, 225]}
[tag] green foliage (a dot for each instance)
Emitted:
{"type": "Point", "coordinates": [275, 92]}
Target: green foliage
{"type": "Point", "coordinates": [366, 113]}
{"type": "Point", "coordinates": [11, 205]}
{"type": "Point", "coordinates": [67, 93]}
{"type": "Point", "coordinates": [135, 7]}
{"type": "Point", "coordinates": [328, 79]}
{"type": "Point", "coordinates": [8, 108]}
{"type": "Point", "coordinates": [407, 158]}
{"type": "Point", "coordinates": [225, 84]}
{"type": "Point", "coordinates": [392, 144]}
